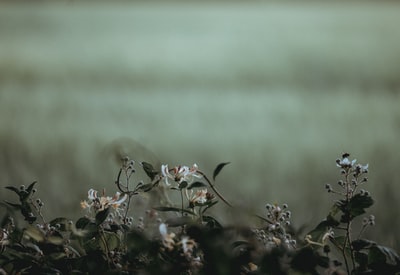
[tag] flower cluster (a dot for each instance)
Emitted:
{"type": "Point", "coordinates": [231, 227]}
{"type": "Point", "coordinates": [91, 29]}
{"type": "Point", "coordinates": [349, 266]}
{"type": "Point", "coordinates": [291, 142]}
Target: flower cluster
{"type": "Point", "coordinates": [180, 174]}
{"type": "Point", "coordinates": [353, 173]}
{"type": "Point", "coordinates": [100, 203]}
{"type": "Point", "coordinates": [199, 198]}
{"type": "Point", "coordinates": [186, 247]}
{"type": "Point", "coordinates": [275, 233]}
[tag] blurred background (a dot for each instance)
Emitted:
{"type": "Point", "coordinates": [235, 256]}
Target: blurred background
{"type": "Point", "coordinates": [279, 89]}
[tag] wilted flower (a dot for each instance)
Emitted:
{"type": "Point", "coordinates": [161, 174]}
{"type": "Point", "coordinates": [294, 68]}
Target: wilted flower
{"type": "Point", "coordinates": [103, 202]}
{"type": "Point", "coordinates": [180, 173]}
{"type": "Point", "coordinates": [167, 238]}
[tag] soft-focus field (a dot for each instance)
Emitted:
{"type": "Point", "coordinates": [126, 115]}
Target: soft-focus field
{"type": "Point", "coordinates": [280, 90]}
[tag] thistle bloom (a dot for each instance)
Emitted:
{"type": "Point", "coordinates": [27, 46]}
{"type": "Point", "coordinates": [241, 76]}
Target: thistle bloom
{"type": "Point", "coordinates": [180, 173]}
{"type": "Point", "coordinates": [103, 202]}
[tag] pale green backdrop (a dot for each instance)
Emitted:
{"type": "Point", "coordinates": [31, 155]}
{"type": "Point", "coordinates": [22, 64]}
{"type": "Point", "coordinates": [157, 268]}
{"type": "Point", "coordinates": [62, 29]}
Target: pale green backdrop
{"type": "Point", "coordinates": [278, 89]}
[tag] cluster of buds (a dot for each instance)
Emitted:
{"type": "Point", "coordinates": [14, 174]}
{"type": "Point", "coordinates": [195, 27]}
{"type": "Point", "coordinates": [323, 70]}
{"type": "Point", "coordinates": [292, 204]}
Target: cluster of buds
{"type": "Point", "coordinates": [350, 165]}
{"type": "Point", "coordinates": [354, 176]}
{"type": "Point", "coordinates": [278, 216]}
{"type": "Point", "coordinates": [279, 219]}
{"type": "Point", "coordinates": [369, 221]}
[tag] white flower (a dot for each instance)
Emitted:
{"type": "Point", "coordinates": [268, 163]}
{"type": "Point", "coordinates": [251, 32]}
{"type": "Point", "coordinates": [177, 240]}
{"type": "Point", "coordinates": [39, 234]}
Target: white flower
{"type": "Point", "coordinates": [167, 238]}
{"type": "Point", "coordinates": [187, 245]}
{"type": "Point", "coordinates": [103, 202]}
{"type": "Point", "coordinates": [200, 197]}
{"type": "Point", "coordinates": [180, 173]}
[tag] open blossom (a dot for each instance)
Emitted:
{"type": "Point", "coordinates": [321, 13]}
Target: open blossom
{"type": "Point", "coordinates": [103, 202]}
{"type": "Point", "coordinates": [187, 245]}
{"type": "Point", "coordinates": [199, 197]}
{"type": "Point", "coordinates": [180, 173]}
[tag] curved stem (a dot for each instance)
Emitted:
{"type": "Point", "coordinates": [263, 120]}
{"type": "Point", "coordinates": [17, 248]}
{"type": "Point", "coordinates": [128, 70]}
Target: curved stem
{"type": "Point", "coordinates": [214, 189]}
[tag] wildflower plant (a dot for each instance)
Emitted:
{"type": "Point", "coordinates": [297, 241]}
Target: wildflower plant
{"type": "Point", "coordinates": [182, 237]}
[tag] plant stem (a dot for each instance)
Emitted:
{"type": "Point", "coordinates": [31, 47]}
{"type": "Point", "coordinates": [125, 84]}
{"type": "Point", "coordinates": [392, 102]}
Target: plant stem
{"type": "Point", "coordinates": [215, 190]}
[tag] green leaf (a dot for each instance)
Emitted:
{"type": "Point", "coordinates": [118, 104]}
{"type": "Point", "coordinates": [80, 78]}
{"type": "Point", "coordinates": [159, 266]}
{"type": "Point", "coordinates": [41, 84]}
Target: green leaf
{"type": "Point", "coordinates": [381, 255]}
{"type": "Point", "coordinates": [112, 241]}
{"type": "Point", "coordinates": [218, 169]}
{"type": "Point", "coordinates": [318, 232]}
{"type": "Point", "coordinates": [354, 207]}
{"type": "Point", "coordinates": [35, 234]}
{"type": "Point", "coordinates": [196, 184]}
{"type": "Point", "coordinates": [362, 244]}
{"type": "Point", "coordinates": [149, 170]}
{"type": "Point", "coordinates": [82, 222]}
{"type": "Point", "coordinates": [172, 209]}
{"type": "Point", "coordinates": [362, 259]}
{"type": "Point", "coordinates": [102, 216]}
{"type": "Point", "coordinates": [57, 240]}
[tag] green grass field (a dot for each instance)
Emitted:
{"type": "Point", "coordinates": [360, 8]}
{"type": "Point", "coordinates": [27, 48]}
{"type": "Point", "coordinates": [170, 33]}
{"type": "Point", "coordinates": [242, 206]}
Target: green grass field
{"type": "Point", "coordinates": [280, 90]}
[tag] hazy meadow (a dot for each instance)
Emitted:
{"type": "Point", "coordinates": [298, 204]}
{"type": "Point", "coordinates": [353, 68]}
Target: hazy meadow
{"type": "Point", "coordinates": [280, 90]}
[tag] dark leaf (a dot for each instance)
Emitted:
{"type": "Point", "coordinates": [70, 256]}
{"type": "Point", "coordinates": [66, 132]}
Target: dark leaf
{"type": "Point", "coordinates": [172, 209]}
{"type": "Point", "coordinates": [196, 184]}
{"type": "Point", "coordinates": [362, 260]}
{"type": "Point", "coordinates": [362, 244]}
{"type": "Point", "coordinates": [102, 216]}
{"type": "Point", "coordinates": [111, 240]}
{"type": "Point", "coordinates": [183, 184]}
{"type": "Point", "coordinates": [318, 232]}
{"type": "Point", "coordinates": [82, 222]}
{"type": "Point", "coordinates": [211, 222]}
{"type": "Point", "coordinates": [381, 255]}
{"type": "Point", "coordinates": [149, 170]}
{"type": "Point", "coordinates": [355, 207]}
{"type": "Point", "coordinates": [219, 168]}
{"type": "Point", "coordinates": [91, 230]}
